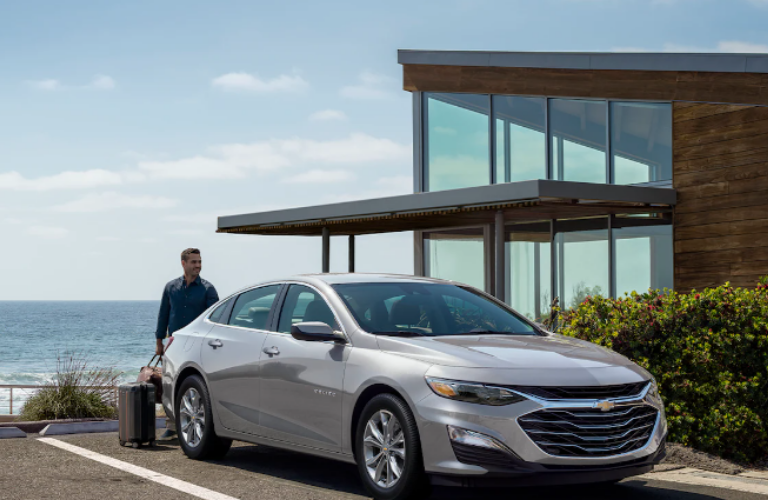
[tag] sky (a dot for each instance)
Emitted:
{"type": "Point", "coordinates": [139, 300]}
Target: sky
{"type": "Point", "coordinates": [126, 128]}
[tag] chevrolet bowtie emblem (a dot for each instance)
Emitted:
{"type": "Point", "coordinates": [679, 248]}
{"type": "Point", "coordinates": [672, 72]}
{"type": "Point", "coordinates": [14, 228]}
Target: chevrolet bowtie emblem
{"type": "Point", "coordinates": [604, 405]}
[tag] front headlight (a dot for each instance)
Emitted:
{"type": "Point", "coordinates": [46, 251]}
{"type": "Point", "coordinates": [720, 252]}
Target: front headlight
{"type": "Point", "coordinates": [473, 393]}
{"type": "Point", "coordinates": [653, 393]}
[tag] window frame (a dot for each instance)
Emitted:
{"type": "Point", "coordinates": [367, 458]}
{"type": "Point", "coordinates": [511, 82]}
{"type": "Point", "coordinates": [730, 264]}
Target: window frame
{"type": "Point", "coordinates": [233, 301]}
{"type": "Point", "coordinates": [280, 303]}
{"type": "Point", "coordinates": [421, 121]}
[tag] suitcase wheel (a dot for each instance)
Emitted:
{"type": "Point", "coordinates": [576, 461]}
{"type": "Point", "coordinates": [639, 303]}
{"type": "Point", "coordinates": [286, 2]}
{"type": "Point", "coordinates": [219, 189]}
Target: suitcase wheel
{"type": "Point", "coordinates": [152, 443]}
{"type": "Point", "coordinates": [122, 443]}
{"type": "Point", "coordinates": [136, 445]}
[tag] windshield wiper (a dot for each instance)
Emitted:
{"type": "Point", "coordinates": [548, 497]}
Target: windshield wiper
{"type": "Point", "coordinates": [403, 334]}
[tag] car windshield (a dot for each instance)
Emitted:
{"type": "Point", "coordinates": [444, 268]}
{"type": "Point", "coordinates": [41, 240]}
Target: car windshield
{"type": "Point", "coordinates": [428, 309]}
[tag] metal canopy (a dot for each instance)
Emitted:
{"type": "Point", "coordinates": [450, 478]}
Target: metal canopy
{"type": "Point", "coordinates": [640, 61]}
{"type": "Point", "coordinates": [518, 201]}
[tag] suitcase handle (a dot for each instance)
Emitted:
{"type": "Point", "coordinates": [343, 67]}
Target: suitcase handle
{"type": "Point", "coordinates": [159, 359]}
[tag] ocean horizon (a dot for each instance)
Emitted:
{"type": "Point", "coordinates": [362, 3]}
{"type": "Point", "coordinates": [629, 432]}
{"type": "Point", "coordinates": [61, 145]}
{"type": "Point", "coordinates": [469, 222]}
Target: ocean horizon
{"type": "Point", "coordinates": [116, 334]}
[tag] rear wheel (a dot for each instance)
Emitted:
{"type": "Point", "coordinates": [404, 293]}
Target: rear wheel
{"type": "Point", "coordinates": [389, 452]}
{"type": "Point", "coordinates": [194, 422]}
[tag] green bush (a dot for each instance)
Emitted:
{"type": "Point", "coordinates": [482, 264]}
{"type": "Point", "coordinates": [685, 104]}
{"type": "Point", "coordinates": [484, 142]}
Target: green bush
{"type": "Point", "coordinates": [76, 391]}
{"type": "Point", "coordinates": [708, 351]}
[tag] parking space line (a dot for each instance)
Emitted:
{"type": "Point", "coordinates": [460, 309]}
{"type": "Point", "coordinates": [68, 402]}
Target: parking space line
{"type": "Point", "coordinates": [177, 484]}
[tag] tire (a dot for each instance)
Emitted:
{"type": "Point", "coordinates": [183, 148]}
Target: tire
{"type": "Point", "coordinates": [412, 482]}
{"type": "Point", "coordinates": [199, 441]}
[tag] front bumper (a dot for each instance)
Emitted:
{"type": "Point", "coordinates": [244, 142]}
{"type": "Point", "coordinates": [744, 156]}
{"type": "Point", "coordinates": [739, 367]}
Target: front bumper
{"type": "Point", "coordinates": [527, 462]}
{"type": "Point", "coordinates": [523, 474]}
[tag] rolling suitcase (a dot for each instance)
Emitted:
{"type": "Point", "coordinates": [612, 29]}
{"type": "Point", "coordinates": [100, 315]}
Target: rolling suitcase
{"type": "Point", "coordinates": [136, 407]}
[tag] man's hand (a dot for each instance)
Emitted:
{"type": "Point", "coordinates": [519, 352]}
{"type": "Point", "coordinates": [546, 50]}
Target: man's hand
{"type": "Point", "coordinates": [160, 349]}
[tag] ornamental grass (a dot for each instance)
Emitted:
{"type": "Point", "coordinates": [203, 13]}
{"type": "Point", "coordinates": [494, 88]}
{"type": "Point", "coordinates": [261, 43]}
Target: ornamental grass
{"type": "Point", "coordinates": [76, 391]}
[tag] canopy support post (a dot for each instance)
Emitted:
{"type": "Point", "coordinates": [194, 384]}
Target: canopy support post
{"type": "Point", "coordinates": [351, 253]}
{"type": "Point", "coordinates": [499, 283]}
{"type": "Point", "coordinates": [326, 250]}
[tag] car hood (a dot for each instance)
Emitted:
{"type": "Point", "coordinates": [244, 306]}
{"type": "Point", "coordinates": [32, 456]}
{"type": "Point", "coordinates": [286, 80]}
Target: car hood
{"type": "Point", "coordinates": [519, 359]}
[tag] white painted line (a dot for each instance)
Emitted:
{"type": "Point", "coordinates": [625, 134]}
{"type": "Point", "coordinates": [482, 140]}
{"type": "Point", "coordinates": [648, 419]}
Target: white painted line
{"type": "Point", "coordinates": [698, 477]}
{"type": "Point", "coordinates": [176, 484]}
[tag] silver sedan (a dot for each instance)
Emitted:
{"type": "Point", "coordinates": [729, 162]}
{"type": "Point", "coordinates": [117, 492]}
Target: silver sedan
{"type": "Point", "coordinates": [418, 381]}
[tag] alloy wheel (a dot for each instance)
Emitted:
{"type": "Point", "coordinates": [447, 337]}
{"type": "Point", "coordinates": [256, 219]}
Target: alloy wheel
{"type": "Point", "coordinates": [192, 412]}
{"type": "Point", "coordinates": [384, 449]}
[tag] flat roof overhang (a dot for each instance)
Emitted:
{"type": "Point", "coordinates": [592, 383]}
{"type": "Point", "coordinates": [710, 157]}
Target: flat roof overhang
{"type": "Point", "coordinates": [632, 61]}
{"type": "Point", "coordinates": [525, 201]}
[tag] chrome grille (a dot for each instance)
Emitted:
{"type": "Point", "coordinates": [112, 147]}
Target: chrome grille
{"type": "Point", "coordinates": [588, 432]}
{"type": "Point", "coordinates": [587, 392]}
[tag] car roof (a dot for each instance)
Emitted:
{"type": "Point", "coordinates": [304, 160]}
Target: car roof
{"type": "Point", "coordinates": [341, 278]}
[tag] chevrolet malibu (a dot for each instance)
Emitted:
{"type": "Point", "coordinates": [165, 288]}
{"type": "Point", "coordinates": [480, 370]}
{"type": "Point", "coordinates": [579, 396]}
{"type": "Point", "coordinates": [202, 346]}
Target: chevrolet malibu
{"type": "Point", "coordinates": [417, 381]}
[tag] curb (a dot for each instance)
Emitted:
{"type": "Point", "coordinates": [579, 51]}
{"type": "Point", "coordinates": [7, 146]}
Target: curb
{"type": "Point", "coordinates": [88, 427]}
{"type": "Point", "coordinates": [11, 433]}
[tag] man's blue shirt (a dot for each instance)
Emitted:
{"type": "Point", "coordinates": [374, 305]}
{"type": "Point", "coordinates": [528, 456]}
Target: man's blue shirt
{"type": "Point", "coordinates": [181, 304]}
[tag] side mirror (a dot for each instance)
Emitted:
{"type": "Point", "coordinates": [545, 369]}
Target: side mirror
{"type": "Point", "coordinates": [314, 331]}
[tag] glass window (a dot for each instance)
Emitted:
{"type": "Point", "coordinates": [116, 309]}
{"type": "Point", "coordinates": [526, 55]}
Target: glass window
{"type": "Point", "coordinates": [302, 303]}
{"type": "Point", "coordinates": [641, 142]}
{"type": "Point", "coordinates": [582, 260]}
{"type": "Point", "coordinates": [528, 258]}
{"type": "Point", "coordinates": [457, 255]}
{"type": "Point", "coordinates": [520, 138]}
{"type": "Point", "coordinates": [216, 314]}
{"type": "Point", "coordinates": [578, 138]}
{"type": "Point", "coordinates": [644, 257]}
{"type": "Point", "coordinates": [457, 141]}
{"type": "Point", "coordinates": [252, 307]}
{"type": "Point", "coordinates": [429, 309]}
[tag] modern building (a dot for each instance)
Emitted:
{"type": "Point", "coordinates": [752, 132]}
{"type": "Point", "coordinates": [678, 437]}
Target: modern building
{"type": "Point", "coordinates": [540, 175]}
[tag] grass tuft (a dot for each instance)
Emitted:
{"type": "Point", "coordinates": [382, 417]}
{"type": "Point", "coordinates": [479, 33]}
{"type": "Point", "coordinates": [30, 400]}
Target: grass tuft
{"type": "Point", "coordinates": [76, 391]}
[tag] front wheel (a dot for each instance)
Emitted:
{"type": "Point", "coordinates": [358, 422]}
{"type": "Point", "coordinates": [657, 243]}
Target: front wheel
{"type": "Point", "coordinates": [194, 422]}
{"type": "Point", "coordinates": [389, 452]}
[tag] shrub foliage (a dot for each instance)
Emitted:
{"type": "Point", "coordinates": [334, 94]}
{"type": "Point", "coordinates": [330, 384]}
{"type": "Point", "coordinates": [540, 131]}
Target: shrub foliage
{"type": "Point", "coordinates": [76, 391]}
{"type": "Point", "coordinates": [708, 351]}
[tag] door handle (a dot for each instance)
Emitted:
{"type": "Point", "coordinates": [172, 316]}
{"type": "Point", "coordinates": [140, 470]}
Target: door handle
{"type": "Point", "coordinates": [215, 343]}
{"type": "Point", "coordinates": [272, 351]}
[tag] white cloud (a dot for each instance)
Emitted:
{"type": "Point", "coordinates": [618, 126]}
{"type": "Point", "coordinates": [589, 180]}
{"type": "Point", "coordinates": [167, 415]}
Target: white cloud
{"type": "Point", "coordinates": [252, 83]}
{"type": "Point", "coordinates": [383, 188]}
{"type": "Point", "coordinates": [14, 181]}
{"type": "Point", "coordinates": [50, 84]}
{"type": "Point", "coordinates": [114, 201]}
{"type": "Point", "coordinates": [187, 232]}
{"type": "Point", "coordinates": [13, 221]}
{"type": "Point", "coordinates": [48, 232]}
{"type": "Point", "coordinates": [328, 115]}
{"type": "Point", "coordinates": [319, 176]}
{"type": "Point", "coordinates": [102, 82]}
{"type": "Point", "coordinates": [99, 82]}
{"type": "Point", "coordinates": [371, 86]}
{"type": "Point", "coordinates": [227, 161]}
{"type": "Point", "coordinates": [724, 46]}
{"type": "Point", "coordinates": [742, 47]}
{"type": "Point", "coordinates": [108, 238]}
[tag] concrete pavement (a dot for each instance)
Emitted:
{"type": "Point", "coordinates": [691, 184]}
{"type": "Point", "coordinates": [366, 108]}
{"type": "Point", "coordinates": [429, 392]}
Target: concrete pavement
{"type": "Point", "coordinates": [32, 470]}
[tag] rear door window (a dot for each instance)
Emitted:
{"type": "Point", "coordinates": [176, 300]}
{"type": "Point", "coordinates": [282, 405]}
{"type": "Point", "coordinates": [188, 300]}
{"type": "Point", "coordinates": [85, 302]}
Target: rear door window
{"type": "Point", "coordinates": [252, 308]}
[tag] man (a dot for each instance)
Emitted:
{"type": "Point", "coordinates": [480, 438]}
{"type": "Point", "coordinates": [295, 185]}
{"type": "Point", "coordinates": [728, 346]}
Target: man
{"type": "Point", "coordinates": [184, 299]}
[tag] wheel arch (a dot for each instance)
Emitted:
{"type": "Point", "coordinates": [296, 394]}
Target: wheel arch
{"type": "Point", "coordinates": [366, 395]}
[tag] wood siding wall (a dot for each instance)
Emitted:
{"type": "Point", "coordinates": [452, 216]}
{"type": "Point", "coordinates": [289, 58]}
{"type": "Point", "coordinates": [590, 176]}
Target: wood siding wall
{"type": "Point", "coordinates": [749, 88]}
{"type": "Point", "coordinates": [721, 175]}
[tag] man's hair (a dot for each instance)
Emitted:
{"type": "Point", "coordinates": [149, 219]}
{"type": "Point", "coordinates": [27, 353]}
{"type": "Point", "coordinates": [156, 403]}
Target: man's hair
{"type": "Point", "coordinates": [189, 251]}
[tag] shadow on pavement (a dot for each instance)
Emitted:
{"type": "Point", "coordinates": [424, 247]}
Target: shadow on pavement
{"type": "Point", "coordinates": [343, 478]}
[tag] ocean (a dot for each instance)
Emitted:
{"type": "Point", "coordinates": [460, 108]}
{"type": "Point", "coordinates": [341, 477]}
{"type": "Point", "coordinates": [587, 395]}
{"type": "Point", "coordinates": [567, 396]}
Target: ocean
{"type": "Point", "coordinates": [107, 334]}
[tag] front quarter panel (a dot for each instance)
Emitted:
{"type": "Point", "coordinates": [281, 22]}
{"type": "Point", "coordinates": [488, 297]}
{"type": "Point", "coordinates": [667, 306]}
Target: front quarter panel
{"type": "Point", "coordinates": [368, 367]}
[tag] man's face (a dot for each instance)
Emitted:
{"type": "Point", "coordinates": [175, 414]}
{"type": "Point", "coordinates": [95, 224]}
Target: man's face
{"type": "Point", "coordinates": [192, 265]}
